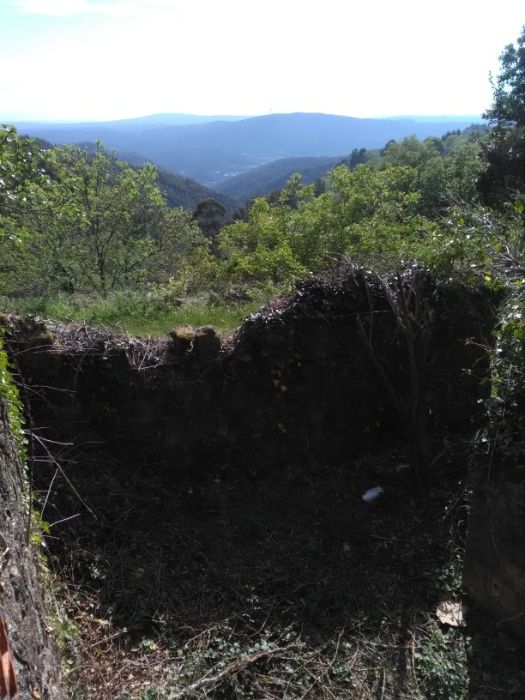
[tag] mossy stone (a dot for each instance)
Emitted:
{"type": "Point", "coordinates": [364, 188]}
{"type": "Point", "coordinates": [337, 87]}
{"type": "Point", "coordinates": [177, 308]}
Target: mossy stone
{"type": "Point", "coordinates": [182, 337]}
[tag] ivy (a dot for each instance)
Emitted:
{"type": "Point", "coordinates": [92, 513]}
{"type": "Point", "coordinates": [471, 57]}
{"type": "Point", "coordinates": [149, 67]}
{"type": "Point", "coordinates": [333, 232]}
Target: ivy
{"type": "Point", "coordinates": [10, 395]}
{"type": "Point", "coordinates": [506, 402]}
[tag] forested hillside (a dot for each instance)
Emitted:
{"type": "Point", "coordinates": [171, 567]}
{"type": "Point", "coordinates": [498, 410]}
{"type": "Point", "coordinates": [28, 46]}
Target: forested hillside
{"type": "Point", "coordinates": [264, 179]}
{"type": "Point", "coordinates": [184, 192]}
{"type": "Point", "coordinates": [82, 221]}
{"type": "Point", "coordinates": [210, 152]}
{"type": "Point", "coordinates": [269, 178]}
{"type": "Point", "coordinates": [179, 191]}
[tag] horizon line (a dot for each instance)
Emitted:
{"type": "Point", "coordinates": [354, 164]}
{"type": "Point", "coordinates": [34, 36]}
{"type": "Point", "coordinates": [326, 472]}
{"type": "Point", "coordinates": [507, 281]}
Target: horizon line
{"type": "Point", "coordinates": [218, 117]}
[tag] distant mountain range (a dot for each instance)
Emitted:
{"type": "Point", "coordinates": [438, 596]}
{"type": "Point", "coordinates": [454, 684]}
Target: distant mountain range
{"type": "Point", "coordinates": [165, 119]}
{"type": "Point", "coordinates": [210, 149]}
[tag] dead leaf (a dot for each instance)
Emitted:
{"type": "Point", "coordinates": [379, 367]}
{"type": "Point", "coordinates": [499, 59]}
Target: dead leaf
{"type": "Point", "coordinates": [451, 612]}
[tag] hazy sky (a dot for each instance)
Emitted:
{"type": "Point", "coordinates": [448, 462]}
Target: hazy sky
{"type": "Point", "coordinates": [105, 59]}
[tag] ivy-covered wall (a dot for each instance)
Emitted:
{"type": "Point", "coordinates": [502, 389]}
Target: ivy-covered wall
{"type": "Point", "coordinates": [23, 608]}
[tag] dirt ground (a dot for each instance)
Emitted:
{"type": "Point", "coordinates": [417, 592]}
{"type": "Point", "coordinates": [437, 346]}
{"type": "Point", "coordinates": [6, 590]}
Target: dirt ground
{"type": "Point", "coordinates": [266, 585]}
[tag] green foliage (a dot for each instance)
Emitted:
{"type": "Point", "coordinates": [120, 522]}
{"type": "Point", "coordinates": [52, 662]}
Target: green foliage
{"type": "Point", "coordinates": [21, 173]}
{"type": "Point", "coordinates": [209, 214]}
{"type": "Point", "coordinates": [441, 666]}
{"type": "Point", "coordinates": [259, 249]}
{"type": "Point", "coordinates": [445, 170]}
{"type": "Point", "coordinates": [504, 176]}
{"type": "Point", "coordinates": [184, 192]}
{"type": "Point", "coordinates": [508, 106]}
{"type": "Point", "coordinates": [94, 224]}
{"type": "Point", "coordinates": [496, 254]}
{"type": "Point", "coordinates": [10, 396]}
{"type": "Point", "coordinates": [96, 230]}
{"type": "Point", "coordinates": [506, 405]}
{"type": "Point", "coordinates": [183, 262]}
{"type": "Point", "coordinates": [137, 313]}
{"type": "Point", "coordinates": [364, 211]}
{"type": "Point", "coordinates": [21, 166]}
{"type": "Point", "coordinates": [459, 245]}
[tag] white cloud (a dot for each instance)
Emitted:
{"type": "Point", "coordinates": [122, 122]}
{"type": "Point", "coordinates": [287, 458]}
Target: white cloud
{"type": "Point", "coordinates": [57, 8]}
{"type": "Point", "coordinates": [130, 57]}
{"type": "Point", "coordinates": [112, 8]}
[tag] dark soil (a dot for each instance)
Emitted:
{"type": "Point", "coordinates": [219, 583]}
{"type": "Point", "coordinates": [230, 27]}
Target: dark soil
{"type": "Point", "coordinates": [290, 585]}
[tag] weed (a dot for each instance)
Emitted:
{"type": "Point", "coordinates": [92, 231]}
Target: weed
{"type": "Point", "coordinates": [133, 312]}
{"type": "Point", "coordinates": [441, 663]}
{"type": "Point", "coordinates": [10, 394]}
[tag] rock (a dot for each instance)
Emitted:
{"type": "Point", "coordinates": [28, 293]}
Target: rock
{"type": "Point", "coordinates": [206, 344]}
{"type": "Point", "coordinates": [41, 336]}
{"type": "Point", "coordinates": [372, 494]}
{"type": "Point", "coordinates": [182, 337]}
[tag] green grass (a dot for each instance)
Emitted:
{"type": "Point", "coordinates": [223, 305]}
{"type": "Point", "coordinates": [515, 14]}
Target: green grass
{"type": "Point", "coordinates": [132, 312]}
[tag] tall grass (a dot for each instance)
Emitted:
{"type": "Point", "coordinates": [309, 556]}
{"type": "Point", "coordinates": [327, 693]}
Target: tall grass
{"type": "Point", "coordinates": [132, 312]}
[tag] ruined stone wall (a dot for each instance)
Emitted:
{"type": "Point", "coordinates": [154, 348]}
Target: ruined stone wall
{"type": "Point", "coordinates": [494, 570]}
{"type": "Point", "coordinates": [295, 385]}
{"type": "Point", "coordinates": [22, 609]}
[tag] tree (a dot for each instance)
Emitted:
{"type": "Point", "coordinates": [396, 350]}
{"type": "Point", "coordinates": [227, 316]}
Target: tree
{"type": "Point", "coordinates": [364, 211]}
{"type": "Point", "coordinates": [97, 225]}
{"type": "Point", "coordinates": [21, 168]}
{"type": "Point", "coordinates": [209, 215]}
{"type": "Point", "coordinates": [22, 173]}
{"type": "Point", "coordinates": [183, 262]}
{"type": "Point", "coordinates": [95, 231]}
{"type": "Point", "coordinates": [508, 106]}
{"type": "Point", "coordinates": [359, 156]}
{"type": "Point", "coordinates": [259, 250]}
{"type": "Point", "coordinates": [505, 152]}
{"type": "Point", "coordinates": [445, 170]}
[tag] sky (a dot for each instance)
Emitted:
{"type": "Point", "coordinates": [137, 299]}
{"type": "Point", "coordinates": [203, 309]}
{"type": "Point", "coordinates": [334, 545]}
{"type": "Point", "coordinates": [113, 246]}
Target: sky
{"type": "Point", "coordinates": [110, 59]}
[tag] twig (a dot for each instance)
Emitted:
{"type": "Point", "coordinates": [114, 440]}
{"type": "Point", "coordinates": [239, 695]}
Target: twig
{"type": "Point", "coordinates": [336, 653]}
{"type": "Point", "coordinates": [380, 371]}
{"type": "Point", "coordinates": [59, 467]}
{"type": "Point", "coordinates": [118, 633]}
{"type": "Point", "coordinates": [384, 684]}
{"type": "Point", "coordinates": [48, 491]}
{"type": "Point", "coordinates": [65, 520]}
{"type": "Point", "coordinates": [235, 667]}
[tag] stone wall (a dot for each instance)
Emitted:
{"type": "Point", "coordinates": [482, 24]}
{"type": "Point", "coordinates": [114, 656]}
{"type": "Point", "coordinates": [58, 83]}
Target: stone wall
{"type": "Point", "coordinates": [296, 384]}
{"type": "Point", "coordinates": [494, 571]}
{"type": "Point", "coordinates": [22, 607]}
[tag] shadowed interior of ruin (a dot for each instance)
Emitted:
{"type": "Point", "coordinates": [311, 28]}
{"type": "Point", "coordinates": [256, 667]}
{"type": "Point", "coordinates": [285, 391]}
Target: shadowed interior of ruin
{"type": "Point", "coordinates": [193, 492]}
